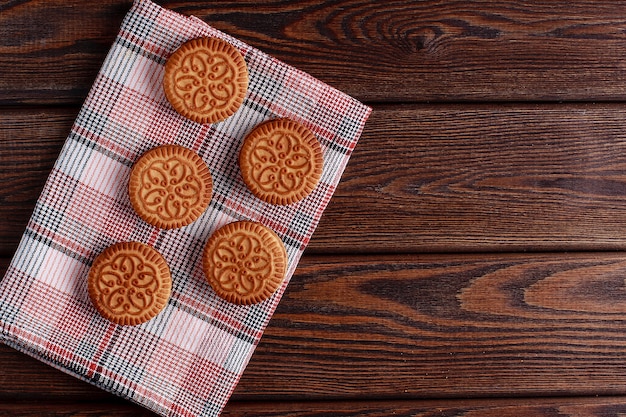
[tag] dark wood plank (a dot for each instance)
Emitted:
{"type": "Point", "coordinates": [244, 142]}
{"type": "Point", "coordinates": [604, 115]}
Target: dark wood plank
{"type": "Point", "coordinates": [526, 407]}
{"type": "Point", "coordinates": [28, 151]}
{"type": "Point", "coordinates": [534, 407]}
{"type": "Point", "coordinates": [424, 178]}
{"type": "Point", "coordinates": [51, 51]}
{"type": "Point", "coordinates": [376, 51]}
{"type": "Point", "coordinates": [23, 378]}
{"type": "Point", "coordinates": [446, 326]}
{"type": "Point", "coordinates": [421, 326]}
{"type": "Point", "coordinates": [483, 178]}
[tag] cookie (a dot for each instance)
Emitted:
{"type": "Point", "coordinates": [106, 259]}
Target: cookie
{"type": "Point", "coordinates": [129, 283]}
{"type": "Point", "coordinates": [206, 80]}
{"type": "Point", "coordinates": [170, 186]}
{"type": "Point", "coordinates": [245, 262]}
{"type": "Point", "coordinates": [281, 161]}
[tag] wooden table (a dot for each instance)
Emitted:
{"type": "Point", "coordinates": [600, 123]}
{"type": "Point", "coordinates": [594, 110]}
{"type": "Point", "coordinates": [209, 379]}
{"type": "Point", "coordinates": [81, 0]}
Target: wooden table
{"type": "Point", "coordinates": [472, 260]}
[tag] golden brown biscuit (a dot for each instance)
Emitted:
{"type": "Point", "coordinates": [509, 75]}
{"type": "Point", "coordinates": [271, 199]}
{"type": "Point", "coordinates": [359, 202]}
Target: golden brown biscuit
{"type": "Point", "coordinates": [245, 262]}
{"type": "Point", "coordinates": [170, 186]}
{"type": "Point", "coordinates": [281, 161]}
{"type": "Point", "coordinates": [206, 80]}
{"type": "Point", "coordinates": [129, 283]}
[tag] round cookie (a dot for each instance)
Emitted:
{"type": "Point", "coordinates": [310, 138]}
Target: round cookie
{"type": "Point", "coordinates": [170, 186]}
{"type": "Point", "coordinates": [129, 283]}
{"type": "Point", "coordinates": [206, 80]}
{"type": "Point", "coordinates": [245, 262]}
{"type": "Point", "coordinates": [281, 161]}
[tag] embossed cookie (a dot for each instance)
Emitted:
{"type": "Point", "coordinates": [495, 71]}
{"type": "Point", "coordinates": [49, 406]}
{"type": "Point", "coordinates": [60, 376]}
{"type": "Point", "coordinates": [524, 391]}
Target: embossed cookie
{"type": "Point", "coordinates": [206, 80]}
{"type": "Point", "coordinates": [281, 161]}
{"type": "Point", "coordinates": [129, 283]}
{"type": "Point", "coordinates": [245, 262]}
{"type": "Point", "coordinates": [170, 186]}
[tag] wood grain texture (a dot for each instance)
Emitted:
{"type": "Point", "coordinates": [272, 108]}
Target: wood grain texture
{"type": "Point", "coordinates": [562, 407]}
{"type": "Point", "coordinates": [421, 326]}
{"type": "Point", "coordinates": [483, 178]}
{"type": "Point", "coordinates": [433, 326]}
{"type": "Point", "coordinates": [377, 51]}
{"type": "Point", "coordinates": [51, 51]}
{"type": "Point", "coordinates": [424, 178]}
{"type": "Point", "coordinates": [461, 268]}
{"type": "Point", "coordinates": [28, 151]}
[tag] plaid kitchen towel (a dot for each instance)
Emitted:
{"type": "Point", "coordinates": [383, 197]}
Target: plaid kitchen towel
{"type": "Point", "coordinates": [188, 359]}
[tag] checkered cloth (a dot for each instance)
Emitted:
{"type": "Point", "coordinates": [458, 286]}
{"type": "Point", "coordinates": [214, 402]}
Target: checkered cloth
{"type": "Point", "coordinates": [187, 360]}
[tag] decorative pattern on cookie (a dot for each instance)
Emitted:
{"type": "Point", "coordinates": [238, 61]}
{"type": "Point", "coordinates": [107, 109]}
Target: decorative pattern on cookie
{"type": "Point", "coordinates": [206, 80]}
{"type": "Point", "coordinates": [129, 283]}
{"type": "Point", "coordinates": [170, 186]}
{"type": "Point", "coordinates": [281, 161]}
{"type": "Point", "coordinates": [245, 262]}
